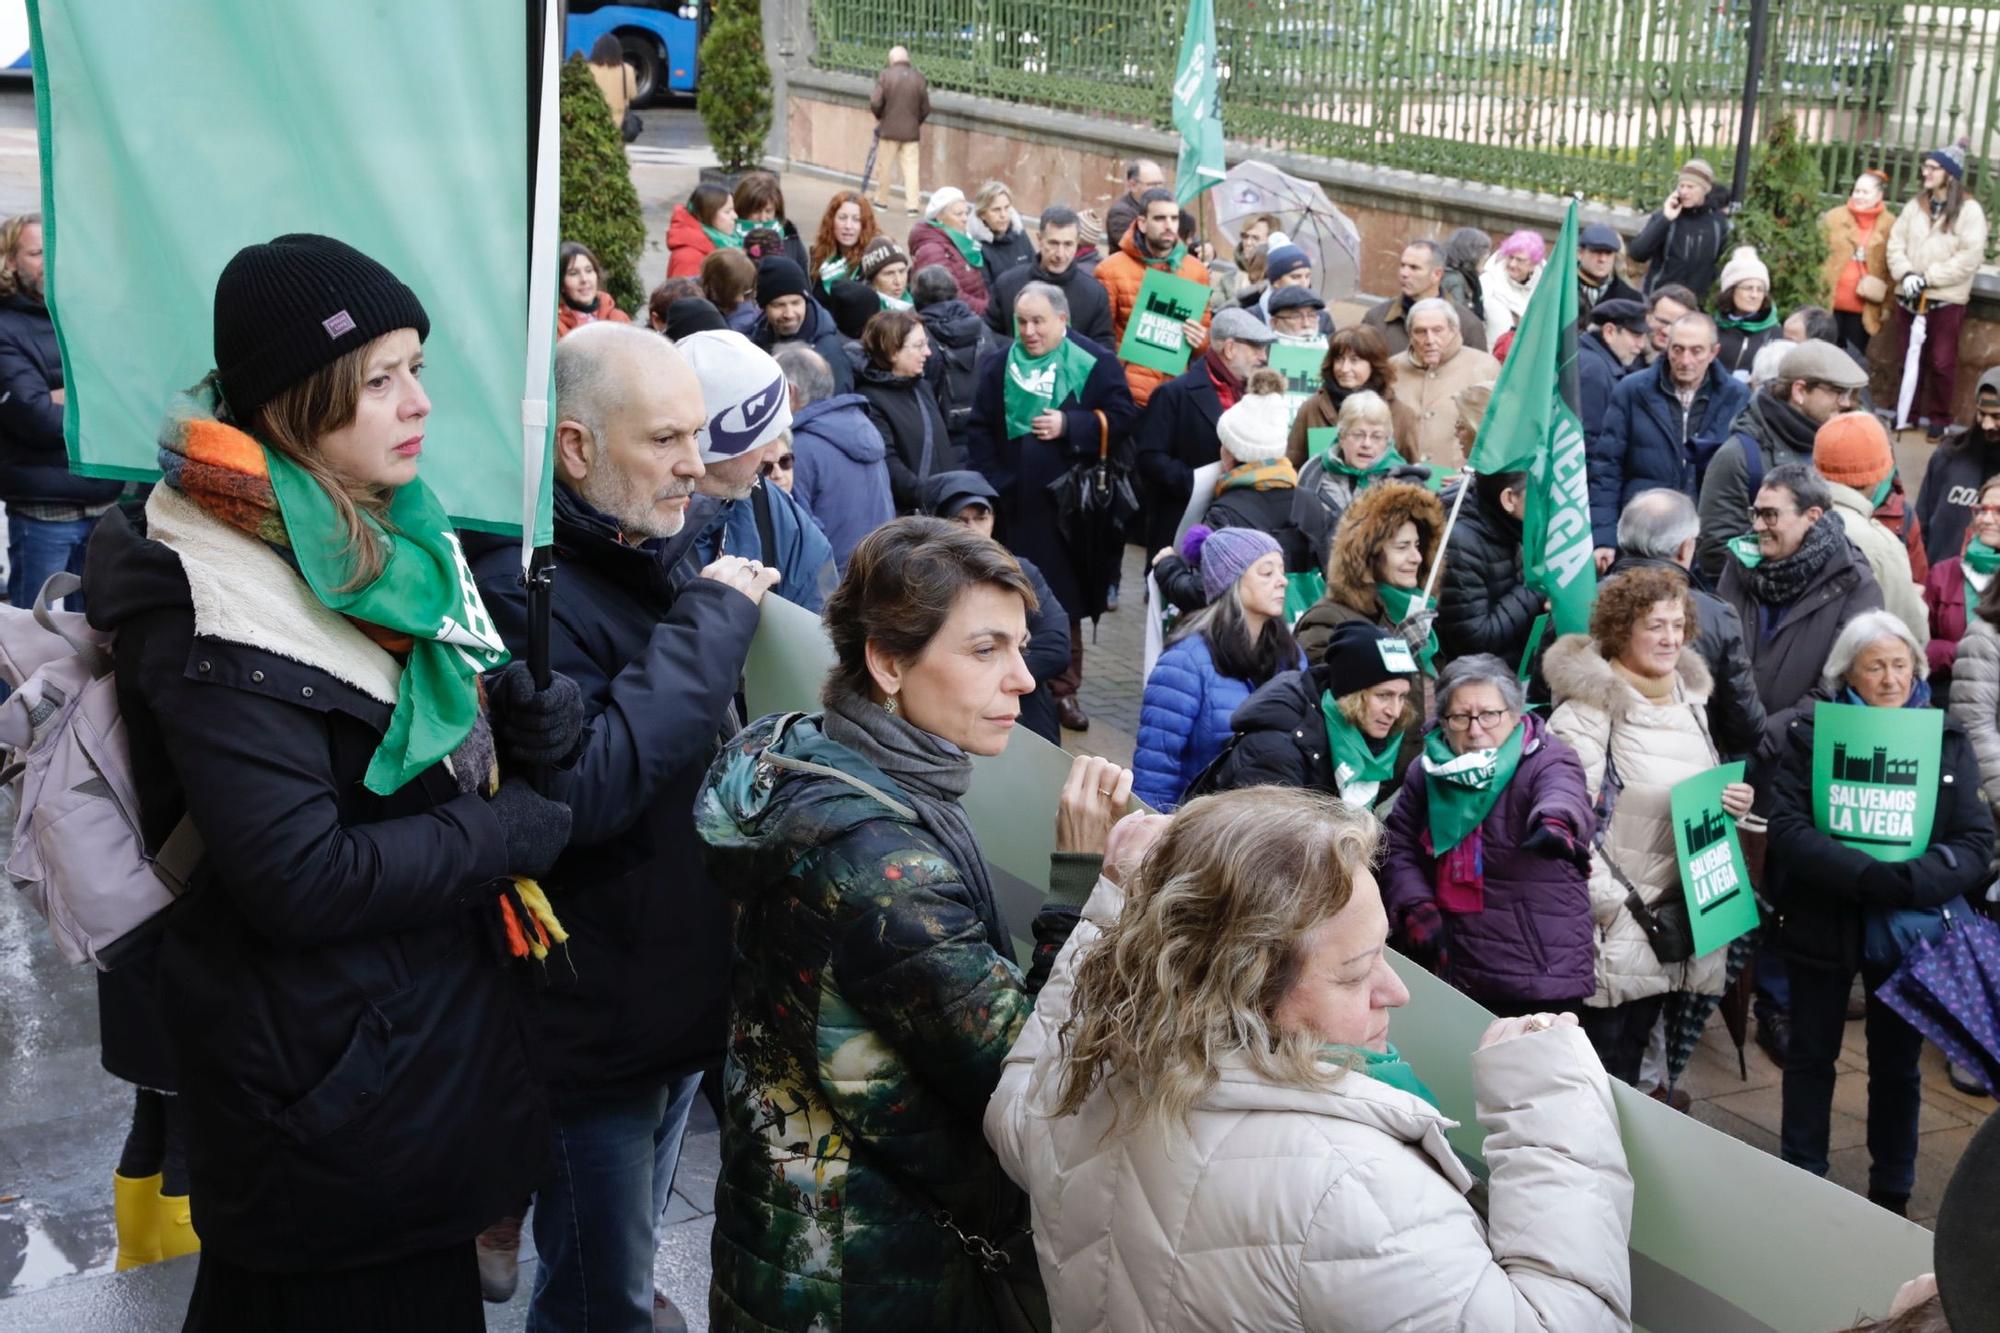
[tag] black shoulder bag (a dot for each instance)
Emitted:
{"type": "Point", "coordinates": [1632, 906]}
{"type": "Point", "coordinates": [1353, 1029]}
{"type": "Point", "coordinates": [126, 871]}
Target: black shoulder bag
{"type": "Point", "coordinates": [1669, 929]}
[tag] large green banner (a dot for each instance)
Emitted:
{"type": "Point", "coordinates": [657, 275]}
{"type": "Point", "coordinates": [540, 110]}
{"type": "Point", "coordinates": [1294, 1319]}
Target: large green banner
{"type": "Point", "coordinates": [1875, 777]}
{"type": "Point", "coordinates": [1154, 337]}
{"type": "Point", "coordinates": [1720, 903]}
{"type": "Point", "coordinates": [1725, 1238]}
{"type": "Point", "coordinates": [173, 134]}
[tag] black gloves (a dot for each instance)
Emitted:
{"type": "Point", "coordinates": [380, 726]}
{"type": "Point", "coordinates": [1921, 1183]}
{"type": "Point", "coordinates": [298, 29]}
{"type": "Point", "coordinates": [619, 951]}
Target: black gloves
{"type": "Point", "coordinates": [535, 728]}
{"type": "Point", "coordinates": [537, 828]}
{"type": "Point", "coordinates": [1554, 840]}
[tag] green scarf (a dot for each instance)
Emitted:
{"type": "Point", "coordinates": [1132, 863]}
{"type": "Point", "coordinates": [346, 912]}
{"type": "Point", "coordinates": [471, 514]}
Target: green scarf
{"type": "Point", "coordinates": [1375, 471]}
{"type": "Point", "coordinates": [425, 590]}
{"type": "Point", "coordinates": [1034, 384]}
{"type": "Point", "coordinates": [1358, 772]}
{"type": "Point", "coordinates": [833, 270]}
{"type": "Point", "coordinates": [895, 302]}
{"type": "Point", "coordinates": [1884, 491]}
{"type": "Point", "coordinates": [1171, 262]}
{"type": "Point", "coordinates": [1386, 1066]}
{"type": "Point", "coordinates": [1744, 548]}
{"type": "Point", "coordinates": [1399, 602]}
{"type": "Point", "coordinates": [1981, 558]}
{"type": "Point", "coordinates": [968, 249]}
{"type": "Point", "coordinates": [724, 240]}
{"type": "Point", "coordinates": [1750, 323]}
{"type": "Point", "coordinates": [745, 227]}
{"type": "Point", "coordinates": [1464, 787]}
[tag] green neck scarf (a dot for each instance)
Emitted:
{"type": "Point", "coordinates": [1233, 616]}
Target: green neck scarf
{"type": "Point", "coordinates": [968, 249]}
{"type": "Point", "coordinates": [1359, 773]}
{"type": "Point", "coordinates": [1464, 787]}
{"type": "Point", "coordinates": [1399, 602]}
{"type": "Point", "coordinates": [1884, 491]}
{"type": "Point", "coordinates": [1034, 384]}
{"type": "Point", "coordinates": [1981, 558]}
{"type": "Point", "coordinates": [895, 302]}
{"type": "Point", "coordinates": [1750, 323]}
{"type": "Point", "coordinates": [1171, 262]}
{"type": "Point", "coordinates": [1375, 471]}
{"type": "Point", "coordinates": [1387, 1066]}
{"type": "Point", "coordinates": [724, 240]}
{"type": "Point", "coordinates": [1745, 550]}
{"type": "Point", "coordinates": [833, 270]}
{"type": "Point", "coordinates": [744, 227]}
{"type": "Point", "coordinates": [425, 590]}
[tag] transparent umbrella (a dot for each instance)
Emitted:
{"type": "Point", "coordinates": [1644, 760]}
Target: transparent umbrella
{"type": "Point", "coordinates": [1304, 213]}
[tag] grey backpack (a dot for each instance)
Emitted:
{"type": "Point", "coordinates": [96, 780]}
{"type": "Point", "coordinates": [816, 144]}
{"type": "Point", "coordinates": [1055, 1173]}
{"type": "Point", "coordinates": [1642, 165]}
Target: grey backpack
{"type": "Point", "coordinates": [77, 853]}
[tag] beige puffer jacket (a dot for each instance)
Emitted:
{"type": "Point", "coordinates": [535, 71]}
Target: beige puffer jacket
{"type": "Point", "coordinates": [1888, 559]}
{"type": "Point", "coordinates": [1948, 260]}
{"type": "Point", "coordinates": [1338, 1210]}
{"type": "Point", "coordinates": [1654, 747]}
{"type": "Point", "coordinates": [1975, 699]}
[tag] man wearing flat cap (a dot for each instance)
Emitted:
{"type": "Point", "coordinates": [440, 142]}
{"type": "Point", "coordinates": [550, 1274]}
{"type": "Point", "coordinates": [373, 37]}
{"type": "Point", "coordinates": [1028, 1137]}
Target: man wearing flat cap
{"type": "Point", "coordinates": [1604, 356]}
{"type": "Point", "coordinates": [1597, 249]}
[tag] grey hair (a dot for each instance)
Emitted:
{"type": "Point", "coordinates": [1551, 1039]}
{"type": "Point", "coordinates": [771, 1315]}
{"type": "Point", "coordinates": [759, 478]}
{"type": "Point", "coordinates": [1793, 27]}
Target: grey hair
{"type": "Point", "coordinates": [1426, 243]}
{"type": "Point", "coordinates": [1807, 487]}
{"type": "Point", "coordinates": [806, 371]}
{"type": "Point", "coordinates": [1364, 405]}
{"type": "Point", "coordinates": [1049, 292]}
{"type": "Point", "coordinates": [1056, 215]}
{"type": "Point", "coordinates": [589, 362]}
{"type": "Point", "coordinates": [1696, 317]}
{"type": "Point", "coordinates": [932, 285]}
{"type": "Point", "coordinates": [1866, 628]}
{"type": "Point", "coordinates": [1657, 523]}
{"type": "Point", "coordinates": [1764, 366]}
{"type": "Point", "coordinates": [1433, 305]}
{"type": "Point", "coordinates": [1480, 669]}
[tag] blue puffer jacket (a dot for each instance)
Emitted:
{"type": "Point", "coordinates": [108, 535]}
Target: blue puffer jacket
{"type": "Point", "coordinates": [1184, 720]}
{"type": "Point", "coordinates": [1647, 440]}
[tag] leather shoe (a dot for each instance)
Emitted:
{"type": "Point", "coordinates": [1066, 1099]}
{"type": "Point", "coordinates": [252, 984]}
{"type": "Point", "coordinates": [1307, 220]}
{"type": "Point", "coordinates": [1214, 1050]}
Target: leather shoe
{"type": "Point", "coordinates": [1069, 710]}
{"type": "Point", "coordinates": [1678, 1098]}
{"type": "Point", "coordinates": [1964, 1080]}
{"type": "Point", "coordinates": [1774, 1034]}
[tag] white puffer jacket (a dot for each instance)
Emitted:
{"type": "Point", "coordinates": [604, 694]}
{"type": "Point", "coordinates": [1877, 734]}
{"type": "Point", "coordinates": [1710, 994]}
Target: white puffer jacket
{"type": "Point", "coordinates": [1340, 1210]}
{"type": "Point", "coordinates": [1654, 747]}
{"type": "Point", "coordinates": [1948, 260]}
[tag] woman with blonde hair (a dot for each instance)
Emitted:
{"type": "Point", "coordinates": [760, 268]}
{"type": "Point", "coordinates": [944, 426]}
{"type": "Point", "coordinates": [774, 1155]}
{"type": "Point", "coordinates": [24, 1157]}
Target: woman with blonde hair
{"type": "Point", "coordinates": [1215, 1130]}
{"type": "Point", "coordinates": [996, 224]}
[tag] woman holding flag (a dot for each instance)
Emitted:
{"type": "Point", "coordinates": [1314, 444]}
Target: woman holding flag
{"type": "Point", "coordinates": [299, 650]}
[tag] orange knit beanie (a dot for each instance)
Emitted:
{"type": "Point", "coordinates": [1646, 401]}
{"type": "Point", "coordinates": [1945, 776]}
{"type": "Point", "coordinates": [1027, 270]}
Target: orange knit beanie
{"type": "Point", "coordinates": [1853, 450]}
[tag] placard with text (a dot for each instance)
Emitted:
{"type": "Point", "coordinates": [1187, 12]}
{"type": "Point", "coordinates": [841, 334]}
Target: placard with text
{"type": "Point", "coordinates": [1875, 777]}
{"type": "Point", "coordinates": [1154, 337]}
{"type": "Point", "coordinates": [1720, 903]}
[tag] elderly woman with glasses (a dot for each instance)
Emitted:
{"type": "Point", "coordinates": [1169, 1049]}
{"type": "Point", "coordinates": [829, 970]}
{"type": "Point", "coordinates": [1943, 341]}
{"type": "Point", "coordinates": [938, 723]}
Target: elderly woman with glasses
{"type": "Point", "coordinates": [1842, 911]}
{"type": "Point", "coordinates": [1485, 877]}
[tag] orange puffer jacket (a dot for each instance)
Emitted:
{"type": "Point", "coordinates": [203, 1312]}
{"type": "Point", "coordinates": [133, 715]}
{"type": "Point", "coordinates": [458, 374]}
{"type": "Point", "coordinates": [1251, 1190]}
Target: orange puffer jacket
{"type": "Point", "coordinates": [1121, 275]}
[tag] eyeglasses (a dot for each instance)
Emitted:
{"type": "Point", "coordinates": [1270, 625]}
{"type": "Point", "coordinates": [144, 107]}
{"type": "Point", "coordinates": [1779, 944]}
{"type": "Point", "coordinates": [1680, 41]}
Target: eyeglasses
{"type": "Point", "coordinates": [1487, 718]}
{"type": "Point", "coordinates": [1986, 511]}
{"type": "Point", "coordinates": [773, 466]}
{"type": "Point", "coordinates": [1844, 397]}
{"type": "Point", "coordinates": [1768, 517]}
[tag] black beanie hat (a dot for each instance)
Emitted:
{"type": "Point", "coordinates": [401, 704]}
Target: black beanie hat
{"type": "Point", "coordinates": [779, 276]}
{"type": "Point", "coordinates": [286, 309]}
{"type": "Point", "coordinates": [852, 305]}
{"type": "Point", "coordinates": [691, 314]}
{"type": "Point", "coordinates": [1361, 656]}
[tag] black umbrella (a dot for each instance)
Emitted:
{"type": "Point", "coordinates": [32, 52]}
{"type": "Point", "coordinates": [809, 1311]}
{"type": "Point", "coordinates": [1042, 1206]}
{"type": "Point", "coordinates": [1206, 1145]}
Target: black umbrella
{"type": "Point", "coordinates": [1093, 502]}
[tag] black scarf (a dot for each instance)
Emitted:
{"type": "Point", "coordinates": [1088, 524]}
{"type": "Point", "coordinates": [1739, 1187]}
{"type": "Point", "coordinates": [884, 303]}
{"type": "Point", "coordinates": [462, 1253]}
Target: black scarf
{"type": "Point", "coordinates": [934, 774]}
{"type": "Point", "coordinates": [1779, 583]}
{"type": "Point", "coordinates": [1785, 424]}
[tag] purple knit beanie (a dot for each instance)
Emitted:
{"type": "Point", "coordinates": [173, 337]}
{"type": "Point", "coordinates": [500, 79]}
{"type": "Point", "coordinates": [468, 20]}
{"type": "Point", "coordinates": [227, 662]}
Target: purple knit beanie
{"type": "Point", "coordinates": [1224, 555]}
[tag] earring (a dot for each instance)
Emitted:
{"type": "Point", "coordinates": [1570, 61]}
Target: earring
{"type": "Point", "coordinates": [890, 707]}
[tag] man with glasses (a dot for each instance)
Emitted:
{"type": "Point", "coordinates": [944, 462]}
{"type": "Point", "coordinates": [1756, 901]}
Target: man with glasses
{"type": "Point", "coordinates": [1966, 457]}
{"type": "Point", "coordinates": [1815, 381]}
{"type": "Point", "coordinates": [1666, 305]}
{"type": "Point", "coordinates": [1663, 424]}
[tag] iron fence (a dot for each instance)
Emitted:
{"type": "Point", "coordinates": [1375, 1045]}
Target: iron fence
{"type": "Point", "coordinates": [1605, 96]}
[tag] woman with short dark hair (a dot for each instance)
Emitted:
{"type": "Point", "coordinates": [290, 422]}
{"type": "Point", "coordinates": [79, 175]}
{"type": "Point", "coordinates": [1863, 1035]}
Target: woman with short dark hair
{"type": "Point", "coordinates": [874, 989]}
{"type": "Point", "coordinates": [699, 227]}
{"type": "Point", "coordinates": [904, 406]}
{"type": "Point", "coordinates": [584, 299]}
{"type": "Point", "coordinates": [760, 202]}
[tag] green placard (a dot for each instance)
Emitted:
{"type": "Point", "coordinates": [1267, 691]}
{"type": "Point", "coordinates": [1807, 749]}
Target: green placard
{"type": "Point", "coordinates": [1720, 903]}
{"type": "Point", "coordinates": [1299, 363]}
{"type": "Point", "coordinates": [1153, 335]}
{"type": "Point", "coordinates": [1875, 777]}
{"type": "Point", "coordinates": [1319, 439]}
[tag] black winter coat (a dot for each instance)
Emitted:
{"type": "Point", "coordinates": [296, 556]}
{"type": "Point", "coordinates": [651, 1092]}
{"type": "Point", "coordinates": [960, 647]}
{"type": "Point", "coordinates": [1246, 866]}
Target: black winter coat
{"type": "Point", "coordinates": [354, 1064]}
{"type": "Point", "coordinates": [1735, 713]}
{"type": "Point", "coordinates": [643, 995]}
{"type": "Point", "coordinates": [1089, 305]}
{"type": "Point", "coordinates": [34, 460]}
{"type": "Point", "coordinates": [820, 333]}
{"type": "Point", "coordinates": [1483, 604]}
{"type": "Point", "coordinates": [1022, 467]}
{"type": "Point", "coordinates": [1282, 741]}
{"type": "Point", "coordinates": [1047, 656]}
{"type": "Point", "coordinates": [959, 339]}
{"type": "Point", "coordinates": [1823, 889]}
{"type": "Point", "coordinates": [1176, 435]}
{"type": "Point", "coordinates": [1951, 488]}
{"type": "Point", "coordinates": [1687, 249]}
{"type": "Point", "coordinates": [1598, 371]}
{"type": "Point", "coordinates": [900, 406]}
{"type": "Point", "coordinates": [1267, 511]}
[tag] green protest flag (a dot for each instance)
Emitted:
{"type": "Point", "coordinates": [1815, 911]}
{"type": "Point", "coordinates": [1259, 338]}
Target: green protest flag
{"type": "Point", "coordinates": [1301, 591]}
{"type": "Point", "coordinates": [1153, 335]}
{"type": "Point", "coordinates": [1299, 363]}
{"type": "Point", "coordinates": [173, 135]}
{"type": "Point", "coordinates": [1720, 903]}
{"type": "Point", "coordinates": [1198, 106]}
{"type": "Point", "coordinates": [1875, 777]}
{"type": "Point", "coordinates": [1319, 439]}
{"type": "Point", "coordinates": [1531, 425]}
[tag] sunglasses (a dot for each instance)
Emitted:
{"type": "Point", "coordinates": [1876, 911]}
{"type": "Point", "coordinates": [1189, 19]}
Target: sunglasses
{"type": "Point", "coordinates": [772, 467]}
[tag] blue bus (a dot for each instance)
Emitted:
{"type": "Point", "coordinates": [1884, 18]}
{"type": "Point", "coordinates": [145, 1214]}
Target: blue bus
{"type": "Point", "coordinates": [658, 38]}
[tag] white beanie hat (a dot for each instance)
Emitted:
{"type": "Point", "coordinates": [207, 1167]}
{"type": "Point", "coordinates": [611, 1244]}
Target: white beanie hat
{"type": "Point", "coordinates": [941, 200]}
{"type": "Point", "coordinates": [748, 402]}
{"type": "Point", "coordinates": [1745, 266]}
{"type": "Point", "coordinates": [1255, 430]}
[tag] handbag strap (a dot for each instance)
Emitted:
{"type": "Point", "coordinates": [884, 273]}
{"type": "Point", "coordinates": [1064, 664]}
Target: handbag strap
{"type": "Point", "coordinates": [1103, 434]}
{"type": "Point", "coordinates": [924, 461]}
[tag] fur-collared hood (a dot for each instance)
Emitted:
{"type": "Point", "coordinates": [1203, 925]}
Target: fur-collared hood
{"type": "Point", "coordinates": [1370, 522]}
{"type": "Point", "coordinates": [1577, 672]}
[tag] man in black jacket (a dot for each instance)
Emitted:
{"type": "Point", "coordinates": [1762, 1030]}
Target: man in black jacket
{"type": "Point", "coordinates": [1178, 432]}
{"type": "Point", "coordinates": [1963, 461]}
{"type": "Point", "coordinates": [790, 315]}
{"type": "Point", "coordinates": [50, 511]}
{"type": "Point", "coordinates": [1604, 356]}
{"type": "Point", "coordinates": [1089, 307]}
{"type": "Point", "coordinates": [1597, 280]}
{"type": "Point", "coordinates": [1484, 602]}
{"type": "Point", "coordinates": [959, 341]}
{"type": "Point", "coordinates": [635, 1006]}
{"type": "Point", "coordinates": [1683, 242]}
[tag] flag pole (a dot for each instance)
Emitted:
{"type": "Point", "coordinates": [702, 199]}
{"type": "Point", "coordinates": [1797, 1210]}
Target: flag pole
{"type": "Point", "coordinates": [538, 562]}
{"type": "Point", "coordinates": [1451, 520]}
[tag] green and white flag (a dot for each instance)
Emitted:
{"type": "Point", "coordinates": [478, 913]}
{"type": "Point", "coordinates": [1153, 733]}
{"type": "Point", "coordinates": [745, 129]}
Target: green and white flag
{"type": "Point", "coordinates": [1198, 106]}
{"type": "Point", "coordinates": [172, 135]}
{"type": "Point", "coordinates": [1532, 425]}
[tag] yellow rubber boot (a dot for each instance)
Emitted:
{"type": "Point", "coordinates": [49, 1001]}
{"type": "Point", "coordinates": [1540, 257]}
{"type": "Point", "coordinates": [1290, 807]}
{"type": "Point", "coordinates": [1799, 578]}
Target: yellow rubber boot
{"type": "Point", "coordinates": [135, 1206]}
{"type": "Point", "coordinates": [176, 1226]}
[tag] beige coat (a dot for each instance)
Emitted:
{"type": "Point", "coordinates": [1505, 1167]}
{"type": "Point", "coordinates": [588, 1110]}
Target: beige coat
{"type": "Point", "coordinates": [1948, 260]}
{"type": "Point", "coordinates": [1843, 235]}
{"type": "Point", "coordinates": [1429, 395]}
{"type": "Point", "coordinates": [1888, 559]}
{"type": "Point", "coordinates": [618, 86]}
{"type": "Point", "coordinates": [1340, 1210]}
{"type": "Point", "coordinates": [1654, 746]}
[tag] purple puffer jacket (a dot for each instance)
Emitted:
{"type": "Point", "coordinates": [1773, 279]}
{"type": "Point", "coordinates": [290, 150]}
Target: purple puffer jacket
{"type": "Point", "coordinates": [1534, 942]}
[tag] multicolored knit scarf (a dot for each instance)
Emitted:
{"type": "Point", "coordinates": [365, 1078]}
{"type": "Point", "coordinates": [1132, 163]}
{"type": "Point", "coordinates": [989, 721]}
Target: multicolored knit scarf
{"type": "Point", "coordinates": [1275, 475]}
{"type": "Point", "coordinates": [423, 604]}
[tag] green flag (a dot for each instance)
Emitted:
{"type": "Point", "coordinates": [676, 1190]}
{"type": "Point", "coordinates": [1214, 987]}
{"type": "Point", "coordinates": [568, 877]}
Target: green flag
{"type": "Point", "coordinates": [1532, 426]}
{"type": "Point", "coordinates": [1198, 106]}
{"type": "Point", "coordinates": [172, 135]}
